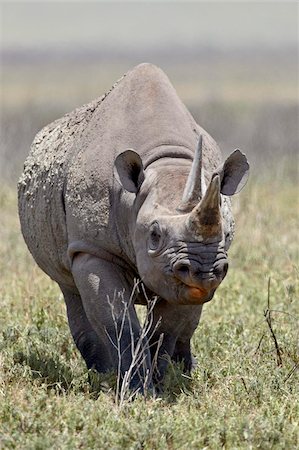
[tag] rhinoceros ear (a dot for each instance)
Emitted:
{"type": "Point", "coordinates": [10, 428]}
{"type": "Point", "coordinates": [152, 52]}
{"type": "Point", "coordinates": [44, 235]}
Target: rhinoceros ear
{"type": "Point", "coordinates": [234, 173]}
{"type": "Point", "coordinates": [129, 168]}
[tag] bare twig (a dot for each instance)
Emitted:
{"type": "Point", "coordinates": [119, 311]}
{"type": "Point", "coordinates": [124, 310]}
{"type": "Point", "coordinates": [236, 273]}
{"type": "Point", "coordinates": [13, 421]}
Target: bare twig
{"type": "Point", "coordinates": [245, 386]}
{"type": "Point", "coordinates": [267, 314]}
{"type": "Point", "coordinates": [139, 345]}
{"type": "Point", "coordinates": [260, 343]}
{"type": "Point", "coordinates": [296, 366]}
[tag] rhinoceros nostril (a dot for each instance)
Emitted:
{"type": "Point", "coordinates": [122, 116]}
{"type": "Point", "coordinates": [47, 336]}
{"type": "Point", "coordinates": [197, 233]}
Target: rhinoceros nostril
{"type": "Point", "coordinates": [184, 269]}
{"type": "Point", "coordinates": [225, 269]}
{"type": "Point", "coordinates": [221, 269]}
{"type": "Point", "coordinates": [181, 270]}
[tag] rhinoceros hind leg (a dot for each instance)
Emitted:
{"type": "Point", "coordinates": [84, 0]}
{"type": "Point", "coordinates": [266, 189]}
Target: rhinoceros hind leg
{"type": "Point", "coordinates": [86, 339]}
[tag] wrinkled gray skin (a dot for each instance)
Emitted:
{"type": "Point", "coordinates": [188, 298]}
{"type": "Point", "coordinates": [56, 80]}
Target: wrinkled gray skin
{"type": "Point", "coordinates": [95, 216]}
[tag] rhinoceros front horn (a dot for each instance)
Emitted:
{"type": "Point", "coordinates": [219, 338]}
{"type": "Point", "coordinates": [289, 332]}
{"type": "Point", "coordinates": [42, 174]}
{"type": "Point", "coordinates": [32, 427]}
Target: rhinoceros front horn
{"type": "Point", "coordinates": [205, 218]}
{"type": "Point", "coordinates": [192, 192]}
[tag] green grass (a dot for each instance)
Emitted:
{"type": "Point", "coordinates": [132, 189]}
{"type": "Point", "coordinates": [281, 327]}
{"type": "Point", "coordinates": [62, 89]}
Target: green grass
{"type": "Point", "coordinates": [238, 397]}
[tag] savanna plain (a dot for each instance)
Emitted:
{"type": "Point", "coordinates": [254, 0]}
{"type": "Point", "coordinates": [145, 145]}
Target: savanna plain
{"type": "Point", "coordinates": [244, 392]}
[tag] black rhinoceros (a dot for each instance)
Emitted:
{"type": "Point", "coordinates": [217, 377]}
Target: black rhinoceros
{"type": "Point", "coordinates": [126, 187]}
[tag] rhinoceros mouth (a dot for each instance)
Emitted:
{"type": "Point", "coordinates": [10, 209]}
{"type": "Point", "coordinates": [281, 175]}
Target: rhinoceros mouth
{"type": "Point", "coordinates": [194, 295]}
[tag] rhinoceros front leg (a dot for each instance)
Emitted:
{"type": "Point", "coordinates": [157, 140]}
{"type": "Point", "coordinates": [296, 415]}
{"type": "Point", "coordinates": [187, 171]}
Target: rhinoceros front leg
{"type": "Point", "coordinates": [182, 352]}
{"type": "Point", "coordinates": [105, 294]}
{"type": "Point", "coordinates": [92, 349]}
{"type": "Point", "coordinates": [177, 323]}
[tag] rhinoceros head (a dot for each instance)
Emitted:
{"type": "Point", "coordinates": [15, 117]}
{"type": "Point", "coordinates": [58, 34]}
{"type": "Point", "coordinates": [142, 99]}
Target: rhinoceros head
{"type": "Point", "coordinates": [181, 240]}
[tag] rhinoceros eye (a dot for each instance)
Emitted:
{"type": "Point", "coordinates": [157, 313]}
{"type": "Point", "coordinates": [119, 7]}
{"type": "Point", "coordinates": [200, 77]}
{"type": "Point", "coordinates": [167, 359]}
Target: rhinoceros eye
{"type": "Point", "coordinates": [154, 236]}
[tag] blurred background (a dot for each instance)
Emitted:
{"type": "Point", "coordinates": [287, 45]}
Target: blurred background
{"type": "Point", "coordinates": [235, 65]}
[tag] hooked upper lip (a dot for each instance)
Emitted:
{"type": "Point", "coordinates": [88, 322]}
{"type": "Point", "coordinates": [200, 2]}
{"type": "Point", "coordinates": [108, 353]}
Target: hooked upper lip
{"type": "Point", "coordinates": [191, 294]}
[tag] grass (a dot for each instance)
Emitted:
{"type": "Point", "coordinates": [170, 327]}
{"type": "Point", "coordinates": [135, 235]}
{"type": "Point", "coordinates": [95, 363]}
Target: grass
{"type": "Point", "coordinates": [238, 397]}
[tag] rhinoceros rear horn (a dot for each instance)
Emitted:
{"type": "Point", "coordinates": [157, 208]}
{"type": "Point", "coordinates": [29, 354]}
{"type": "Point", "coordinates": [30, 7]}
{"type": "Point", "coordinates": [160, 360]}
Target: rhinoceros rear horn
{"type": "Point", "coordinates": [192, 192]}
{"type": "Point", "coordinates": [205, 218]}
{"type": "Point", "coordinates": [129, 169]}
